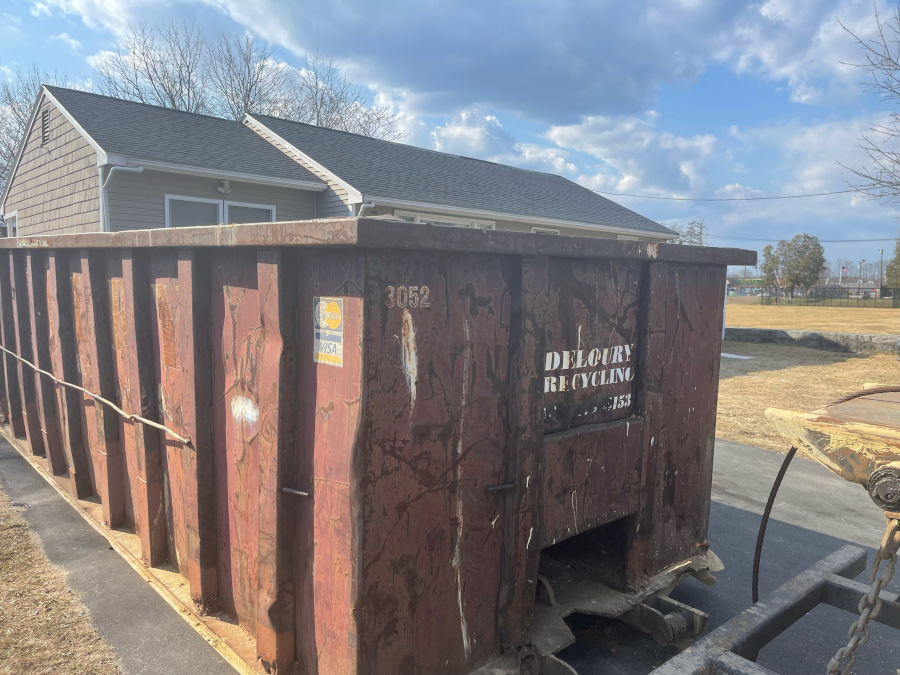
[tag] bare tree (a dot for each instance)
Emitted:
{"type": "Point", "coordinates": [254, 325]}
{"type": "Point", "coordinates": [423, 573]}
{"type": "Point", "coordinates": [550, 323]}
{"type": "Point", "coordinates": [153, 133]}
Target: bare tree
{"type": "Point", "coordinates": [18, 94]}
{"type": "Point", "coordinates": [243, 76]}
{"type": "Point", "coordinates": [881, 179]}
{"type": "Point", "coordinates": [323, 96]}
{"type": "Point", "coordinates": [690, 234]}
{"type": "Point", "coordinates": [158, 65]}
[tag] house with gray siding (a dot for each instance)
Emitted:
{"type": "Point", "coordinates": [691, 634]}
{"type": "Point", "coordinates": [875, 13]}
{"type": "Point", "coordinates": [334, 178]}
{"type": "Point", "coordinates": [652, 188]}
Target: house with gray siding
{"type": "Point", "coordinates": [93, 163]}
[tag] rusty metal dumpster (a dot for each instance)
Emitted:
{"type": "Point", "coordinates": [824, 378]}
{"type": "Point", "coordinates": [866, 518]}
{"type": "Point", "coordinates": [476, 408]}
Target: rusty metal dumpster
{"type": "Point", "coordinates": [377, 436]}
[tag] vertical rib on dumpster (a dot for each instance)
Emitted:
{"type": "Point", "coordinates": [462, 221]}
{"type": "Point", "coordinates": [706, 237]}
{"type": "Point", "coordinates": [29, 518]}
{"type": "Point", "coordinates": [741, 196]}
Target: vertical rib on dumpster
{"type": "Point", "coordinates": [138, 394]}
{"type": "Point", "coordinates": [22, 326]}
{"type": "Point", "coordinates": [64, 366]}
{"type": "Point", "coordinates": [185, 376]}
{"type": "Point", "coordinates": [525, 467]}
{"type": "Point", "coordinates": [11, 369]}
{"type": "Point", "coordinates": [237, 352]}
{"type": "Point", "coordinates": [36, 273]}
{"type": "Point", "coordinates": [90, 308]}
{"type": "Point", "coordinates": [274, 601]}
{"type": "Point", "coordinates": [329, 553]}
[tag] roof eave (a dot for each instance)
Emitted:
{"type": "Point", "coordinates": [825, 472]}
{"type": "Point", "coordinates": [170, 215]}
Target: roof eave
{"type": "Point", "coordinates": [154, 165]}
{"type": "Point", "coordinates": [521, 218]}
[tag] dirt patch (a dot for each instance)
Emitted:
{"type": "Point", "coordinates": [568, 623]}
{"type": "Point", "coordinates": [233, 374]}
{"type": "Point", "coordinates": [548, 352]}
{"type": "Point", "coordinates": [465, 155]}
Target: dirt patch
{"type": "Point", "coordinates": [835, 319]}
{"type": "Point", "coordinates": [795, 378]}
{"type": "Point", "coordinates": [44, 628]}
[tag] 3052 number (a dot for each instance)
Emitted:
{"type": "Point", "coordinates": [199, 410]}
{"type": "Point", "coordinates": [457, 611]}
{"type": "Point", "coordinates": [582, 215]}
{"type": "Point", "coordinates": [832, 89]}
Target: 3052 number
{"type": "Point", "coordinates": [407, 296]}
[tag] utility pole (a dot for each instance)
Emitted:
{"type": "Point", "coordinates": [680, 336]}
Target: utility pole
{"type": "Point", "coordinates": [880, 270]}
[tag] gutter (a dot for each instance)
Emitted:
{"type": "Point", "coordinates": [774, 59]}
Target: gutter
{"type": "Point", "coordinates": [104, 196]}
{"type": "Point", "coordinates": [518, 218]}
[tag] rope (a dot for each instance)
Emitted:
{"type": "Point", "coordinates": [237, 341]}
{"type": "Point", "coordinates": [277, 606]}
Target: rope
{"type": "Point", "coordinates": [760, 537]}
{"type": "Point", "coordinates": [97, 397]}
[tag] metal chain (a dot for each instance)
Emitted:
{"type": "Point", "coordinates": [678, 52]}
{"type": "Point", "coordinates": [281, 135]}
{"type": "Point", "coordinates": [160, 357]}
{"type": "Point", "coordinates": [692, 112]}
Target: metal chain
{"type": "Point", "coordinates": [870, 603]}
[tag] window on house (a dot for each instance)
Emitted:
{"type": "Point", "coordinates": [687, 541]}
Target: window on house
{"type": "Point", "coordinates": [182, 211]}
{"type": "Point", "coordinates": [45, 126]}
{"type": "Point", "coordinates": [190, 211]}
{"type": "Point", "coordinates": [11, 228]}
{"type": "Point", "coordinates": [544, 230]}
{"type": "Point", "coordinates": [239, 212]}
{"type": "Point", "coordinates": [446, 221]}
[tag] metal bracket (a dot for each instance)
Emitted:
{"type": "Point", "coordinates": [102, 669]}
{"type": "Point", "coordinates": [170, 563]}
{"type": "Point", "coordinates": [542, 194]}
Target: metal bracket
{"type": "Point", "coordinates": [666, 620]}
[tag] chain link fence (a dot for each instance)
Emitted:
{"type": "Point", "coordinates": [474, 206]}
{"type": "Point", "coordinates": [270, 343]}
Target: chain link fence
{"type": "Point", "coordinates": [830, 296]}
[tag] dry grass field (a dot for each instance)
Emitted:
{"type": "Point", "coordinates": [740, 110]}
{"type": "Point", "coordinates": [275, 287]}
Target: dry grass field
{"type": "Point", "coordinates": [44, 628]}
{"type": "Point", "coordinates": [838, 319]}
{"type": "Point", "coordinates": [783, 376]}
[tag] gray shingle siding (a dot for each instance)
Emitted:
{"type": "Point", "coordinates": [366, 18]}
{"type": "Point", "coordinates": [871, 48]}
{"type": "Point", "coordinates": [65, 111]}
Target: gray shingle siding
{"type": "Point", "coordinates": [395, 171]}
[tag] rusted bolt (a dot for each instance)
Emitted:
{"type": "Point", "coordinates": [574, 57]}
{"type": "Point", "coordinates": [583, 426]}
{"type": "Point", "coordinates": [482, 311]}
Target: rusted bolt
{"type": "Point", "coordinates": [292, 491]}
{"type": "Point", "coordinates": [884, 486]}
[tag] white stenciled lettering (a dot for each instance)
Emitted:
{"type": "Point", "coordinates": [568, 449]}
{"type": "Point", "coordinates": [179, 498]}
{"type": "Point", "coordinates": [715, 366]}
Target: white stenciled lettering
{"type": "Point", "coordinates": [552, 361]}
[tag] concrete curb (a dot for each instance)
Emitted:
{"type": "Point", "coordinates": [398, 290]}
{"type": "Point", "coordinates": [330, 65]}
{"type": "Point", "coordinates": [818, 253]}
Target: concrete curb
{"type": "Point", "coordinates": [842, 342]}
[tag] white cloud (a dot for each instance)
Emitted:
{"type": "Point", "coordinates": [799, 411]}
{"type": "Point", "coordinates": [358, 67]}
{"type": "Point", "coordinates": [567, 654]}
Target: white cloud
{"type": "Point", "coordinates": [802, 44]}
{"type": "Point", "coordinates": [635, 155]}
{"type": "Point", "coordinates": [473, 134]}
{"type": "Point", "coordinates": [67, 40]}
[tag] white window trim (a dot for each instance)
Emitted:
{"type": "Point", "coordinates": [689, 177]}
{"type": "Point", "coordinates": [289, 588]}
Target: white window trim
{"type": "Point", "coordinates": [544, 230]}
{"type": "Point", "coordinates": [184, 198]}
{"type": "Point", "coordinates": [12, 215]}
{"type": "Point", "coordinates": [248, 205]}
{"type": "Point", "coordinates": [474, 223]}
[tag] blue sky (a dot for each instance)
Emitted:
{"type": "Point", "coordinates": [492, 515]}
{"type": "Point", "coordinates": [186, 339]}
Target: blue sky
{"type": "Point", "coordinates": [683, 98]}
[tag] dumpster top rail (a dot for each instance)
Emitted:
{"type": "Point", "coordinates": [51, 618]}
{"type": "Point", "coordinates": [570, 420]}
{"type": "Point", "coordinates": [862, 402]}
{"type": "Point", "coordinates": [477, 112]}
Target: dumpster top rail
{"type": "Point", "coordinates": [385, 234]}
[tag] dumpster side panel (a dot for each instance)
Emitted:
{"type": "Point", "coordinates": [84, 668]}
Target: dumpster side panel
{"type": "Point", "coordinates": [64, 366]}
{"type": "Point", "coordinates": [182, 315]}
{"type": "Point", "coordinates": [237, 354]}
{"type": "Point", "coordinates": [172, 371]}
{"type": "Point", "coordinates": [132, 331]}
{"type": "Point", "coordinates": [83, 315]}
{"type": "Point", "coordinates": [22, 329]}
{"type": "Point", "coordinates": [36, 276]}
{"type": "Point", "coordinates": [437, 377]}
{"type": "Point", "coordinates": [10, 370]}
{"type": "Point", "coordinates": [330, 404]}
{"type": "Point", "coordinates": [683, 340]}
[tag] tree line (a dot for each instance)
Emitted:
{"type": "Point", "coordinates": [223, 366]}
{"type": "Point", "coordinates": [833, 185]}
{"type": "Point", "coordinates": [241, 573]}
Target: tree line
{"type": "Point", "coordinates": [177, 66]}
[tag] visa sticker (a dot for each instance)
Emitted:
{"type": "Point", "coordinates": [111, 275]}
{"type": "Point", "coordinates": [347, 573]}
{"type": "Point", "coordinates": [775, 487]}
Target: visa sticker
{"type": "Point", "coordinates": [328, 331]}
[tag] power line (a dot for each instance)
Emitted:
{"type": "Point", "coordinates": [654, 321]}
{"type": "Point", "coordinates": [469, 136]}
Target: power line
{"type": "Point", "coordinates": [822, 241]}
{"type": "Point", "coordinates": [723, 199]}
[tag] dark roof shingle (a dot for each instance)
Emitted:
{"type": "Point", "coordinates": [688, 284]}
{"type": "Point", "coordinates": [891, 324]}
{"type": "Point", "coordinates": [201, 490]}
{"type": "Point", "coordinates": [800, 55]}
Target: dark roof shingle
{"type": "Point", "coordinates": [152, 133]}
{"type": "Point", "coordinates": [398, 171]}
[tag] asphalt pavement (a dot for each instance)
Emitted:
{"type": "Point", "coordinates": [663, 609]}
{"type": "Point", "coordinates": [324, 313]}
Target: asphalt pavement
{"type": "Point", "coordinates": [816, 513]}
